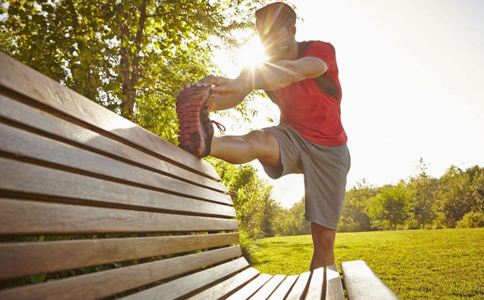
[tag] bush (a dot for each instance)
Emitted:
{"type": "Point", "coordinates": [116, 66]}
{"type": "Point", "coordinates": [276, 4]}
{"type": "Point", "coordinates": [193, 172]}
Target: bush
{"type": "Point", "coordinates": [439, 222]}
{"type": "Point", "coordinates": [471, 220]}
{"type": "Point", "coordinates": [411, 224]}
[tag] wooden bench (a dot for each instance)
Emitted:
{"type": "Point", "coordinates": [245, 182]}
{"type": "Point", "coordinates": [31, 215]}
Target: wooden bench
{"type": "Point", "coordinates": [108, 210]}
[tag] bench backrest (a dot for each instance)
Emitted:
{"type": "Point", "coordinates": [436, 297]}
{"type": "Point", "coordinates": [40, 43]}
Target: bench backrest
{"type": "Point", "coordinates": [99, 205]}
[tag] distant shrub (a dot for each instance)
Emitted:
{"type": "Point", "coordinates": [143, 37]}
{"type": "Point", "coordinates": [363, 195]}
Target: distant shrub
{"type": "Point", "coordinates": [439, 222]}
{"type": "Point", "coordinates": [411, 224]}
{"type": "Point", "coordinates": [471, 220]}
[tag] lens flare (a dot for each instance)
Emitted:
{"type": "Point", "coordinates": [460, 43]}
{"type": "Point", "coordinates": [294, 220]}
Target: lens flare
{"type": "Point", "coordinates": [251, 54]}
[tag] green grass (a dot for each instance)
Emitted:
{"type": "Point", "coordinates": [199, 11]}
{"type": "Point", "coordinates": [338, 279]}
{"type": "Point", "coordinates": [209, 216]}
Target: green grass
{"type": "Point", "coordinates": [415, 264]}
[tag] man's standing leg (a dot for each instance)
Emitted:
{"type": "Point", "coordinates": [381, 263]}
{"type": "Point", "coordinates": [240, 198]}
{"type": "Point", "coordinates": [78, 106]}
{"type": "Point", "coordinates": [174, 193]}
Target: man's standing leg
{"type": "Point", "coordinates": [323, 242]}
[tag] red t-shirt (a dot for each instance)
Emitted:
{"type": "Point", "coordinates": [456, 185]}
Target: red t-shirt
{"type": "Point", "coordinates": [312, 106]}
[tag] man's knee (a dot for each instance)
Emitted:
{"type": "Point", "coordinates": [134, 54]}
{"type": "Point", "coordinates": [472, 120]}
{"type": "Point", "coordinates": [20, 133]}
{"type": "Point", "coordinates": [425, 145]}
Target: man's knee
{"type": "Point", "coordinates": [265, 144]}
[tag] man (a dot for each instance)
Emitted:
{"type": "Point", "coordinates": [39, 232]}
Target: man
{"type": "Point", "coordinates": [302, 79]}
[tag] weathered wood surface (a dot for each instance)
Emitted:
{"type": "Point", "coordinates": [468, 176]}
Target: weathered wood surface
{"type": "Point", "coordinates": [47, 94]}
{"type": "Point", "coordinates": [315, 287]}
{"type": "Point", "coordinates": [18, 178]}
{"type": "Point", "coordinates": [226, 287]}
{"type": "Point", "coordinates": [248, 290]}
{"type": "Point", "coordinates": [333, 285]}
{"type": "Point", "coordinates": [31, 217]}
{"type": "Point", "coordinates": [33, 119]}
{"type": "Point", "coordinates": [105, 283]}
{"type": "Point", "coordinates": [23, 144]}
{"type": "Point", "coordinates": [283, 288]}
{"type": "Point", "coordinates": [188, 284]}
{"type": "Point", "coordinates": [268, 288]}
{"type": "Point", "coordinates": [362, 284]}
{"type": "Point", "coordinates": [300, 287]}
{"type": "Point", "coordinates": [27, 258]}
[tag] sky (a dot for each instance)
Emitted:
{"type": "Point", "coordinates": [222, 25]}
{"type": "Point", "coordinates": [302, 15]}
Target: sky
{"type": "Point", "coordinates": [412, 76]}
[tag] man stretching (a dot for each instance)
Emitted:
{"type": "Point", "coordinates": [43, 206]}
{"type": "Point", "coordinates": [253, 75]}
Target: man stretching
{"type": "Point", "coordinates": [302, 79]}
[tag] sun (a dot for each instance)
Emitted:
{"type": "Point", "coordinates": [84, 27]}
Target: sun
{"type": "Point", "coordinates": [251, 54]}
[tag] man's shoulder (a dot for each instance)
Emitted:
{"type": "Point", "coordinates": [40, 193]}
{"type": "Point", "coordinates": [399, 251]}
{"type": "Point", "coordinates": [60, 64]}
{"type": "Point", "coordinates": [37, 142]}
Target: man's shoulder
{"type": "Point", "coordinates": [305, 46]}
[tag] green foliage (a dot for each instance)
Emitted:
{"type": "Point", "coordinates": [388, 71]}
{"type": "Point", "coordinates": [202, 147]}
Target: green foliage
{"type": "Point", "coordinates": [251, 197]}
{"type": "Point", "coordinates": [460, 192]}
{"type": "Point", "coordinates": [354, 216]}
{"type": "Point", "coordinates": [389, 208]}
{"type": "Point", "coordinates": [130, 56]}
{"type": "Point", "coordinates": [417, 264]}
{"type": "Point", "coordinates": [471, 220]}
{"type": "Point", "coordinates": [290, 221]}
{"type": "Point", "coordinates": [422, 202]}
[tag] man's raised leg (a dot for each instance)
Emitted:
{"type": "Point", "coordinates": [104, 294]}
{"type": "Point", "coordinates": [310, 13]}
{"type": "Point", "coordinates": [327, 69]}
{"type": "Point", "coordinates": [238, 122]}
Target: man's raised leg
{"type": "Point", "coordinates": [257, 144]}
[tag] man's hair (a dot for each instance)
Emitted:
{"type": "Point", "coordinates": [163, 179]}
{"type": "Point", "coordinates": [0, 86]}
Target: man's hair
{"type": "Point", "coordinates": [277, 14]}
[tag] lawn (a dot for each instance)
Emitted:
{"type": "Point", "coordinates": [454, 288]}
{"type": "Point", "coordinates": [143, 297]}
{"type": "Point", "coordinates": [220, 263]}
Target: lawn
{"type": "Point", "coordinates": [423, 264]}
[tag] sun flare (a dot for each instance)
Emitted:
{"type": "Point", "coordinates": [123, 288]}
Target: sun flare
{"type": "Point", "coordinates": [251, 54]}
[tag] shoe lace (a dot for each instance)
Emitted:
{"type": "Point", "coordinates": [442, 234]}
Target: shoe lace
{"type": "Point", "coordinates": [220, 127]}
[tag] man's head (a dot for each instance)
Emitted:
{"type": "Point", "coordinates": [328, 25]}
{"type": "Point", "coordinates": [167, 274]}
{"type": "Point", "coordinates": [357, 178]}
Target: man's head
{"type": "Point", "coordinates": [276, 26]}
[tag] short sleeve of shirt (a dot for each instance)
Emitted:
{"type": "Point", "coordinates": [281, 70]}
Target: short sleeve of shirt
{"type": "Point", "coordinates": [324, 51]}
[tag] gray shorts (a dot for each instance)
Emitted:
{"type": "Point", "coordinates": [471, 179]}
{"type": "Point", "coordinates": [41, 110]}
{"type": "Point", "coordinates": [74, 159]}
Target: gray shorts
{"type": "Point", "coordinates": [324, 168]}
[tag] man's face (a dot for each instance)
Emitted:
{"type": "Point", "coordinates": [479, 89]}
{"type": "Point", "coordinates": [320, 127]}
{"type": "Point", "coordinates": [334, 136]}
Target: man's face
{"type": "Point", "coordinates": [276, 41]}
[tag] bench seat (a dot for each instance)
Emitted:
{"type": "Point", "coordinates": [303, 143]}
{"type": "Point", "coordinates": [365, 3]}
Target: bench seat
{"type": "Point", "coordinates": [93, 206]}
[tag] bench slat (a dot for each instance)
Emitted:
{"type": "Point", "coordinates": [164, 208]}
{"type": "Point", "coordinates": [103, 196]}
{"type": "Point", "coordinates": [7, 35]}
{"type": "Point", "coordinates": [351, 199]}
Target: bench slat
{"type": "Point", "coordinates": [225, 287]}
{"type": "Point", "coordinates": [106, 283]}
{"type": "Point", "coordinates": [333, 285]}
{"type": "Point", "coordinates": [315, 289]}
{"type": "Point", "coordinates": [18, 177]}
{"type": "Point", "coordinates": [250, 288]}
{"type": "Point", "coordinates": [21, 143]}
{"type": "Point", "coordinates": [283, 288]}
{"type": "Point", "coordinates": [299, 288]}
{"type": "Point", "coordinates": [46, 92]}
{"type": "Point", "coordinates": [33, 119]}
{"type": "Point", "coordinates": [29, 217]}
{"type": "Point", "coordinates": [268, 288]}
{"type": "Point", "coordinates": [362, 284]}
{"type": "Point", "coordinates": [27, 258]}
{"type": "Point", "coordinates": [186, 285]}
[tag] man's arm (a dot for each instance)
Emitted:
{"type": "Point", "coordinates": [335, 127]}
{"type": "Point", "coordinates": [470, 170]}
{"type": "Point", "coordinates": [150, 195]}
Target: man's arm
{"type": "Point", "coordinates": [272, 76]}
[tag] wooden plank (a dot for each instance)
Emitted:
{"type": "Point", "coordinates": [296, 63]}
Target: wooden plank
{"type": "Point", "coordinates": [185, 285]}
{"type": "Point", "coordinates": [333, 286]}
{"type": "Point", "coordinates": [106, 283]}
{"type": "Point", "coordinates": [362, 284]}
{"type": "Point", "coordinates": [300, 287]}
{"type": "Point", "coordinates": [24, 144]}
{"type": "Point", "coordinates": [30, 217]}
{"type": "Point", "coordinates": [268, 288]}
{"type": "Point", "coordinates": [61, 186]}
{"type": "Point", "coordinates": [283, 289]}
{"type": "Point", "coordinates": [27, 258]}
{"type": "Point", "coordinates": [315, 288]}
{"type": "Point", "coordinates": [222, 289]}
{"type": "Point", "coordinates": [46, 93]}
{"type": "Point", "coordinates": [40, 121]}
{"type": "Point", "coordinates": [248, 290]}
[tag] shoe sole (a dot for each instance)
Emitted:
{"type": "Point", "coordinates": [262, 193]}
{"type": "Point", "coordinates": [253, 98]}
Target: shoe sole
{"type": "Point", "coordinates": [191, 131]}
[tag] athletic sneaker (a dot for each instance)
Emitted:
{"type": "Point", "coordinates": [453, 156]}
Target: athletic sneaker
{"type": "Point", "coordinates": [196, 130]}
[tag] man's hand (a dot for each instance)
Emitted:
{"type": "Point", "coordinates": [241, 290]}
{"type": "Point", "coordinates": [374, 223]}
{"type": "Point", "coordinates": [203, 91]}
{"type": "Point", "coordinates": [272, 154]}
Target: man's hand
{"type": "Point", "coordinates": [225, 93]}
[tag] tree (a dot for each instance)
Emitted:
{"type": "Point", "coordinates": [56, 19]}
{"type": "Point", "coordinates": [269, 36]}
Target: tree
{"type": "Point", "coordinates": [354, 216]}
{"type": "Point", "coordinates": [389, 208]}
{"type": "Point", "coordinates": [460, 192]}
{"type": "Point", "coordinates": [130, 56]}
{"type": "Point", "coordinates": [423, 189]}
